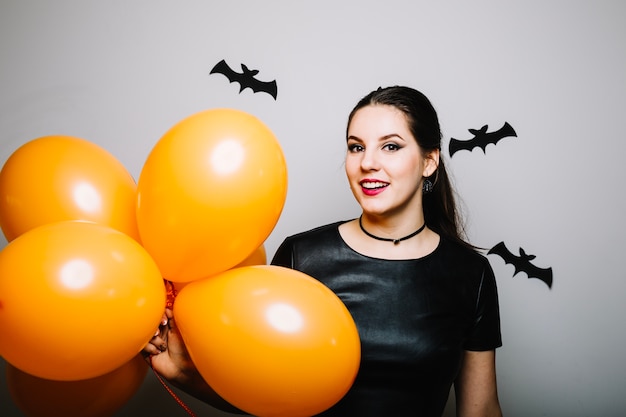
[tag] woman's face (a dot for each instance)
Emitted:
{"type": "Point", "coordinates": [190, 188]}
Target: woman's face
{"type": "Point", "coordinates": [384, 163]}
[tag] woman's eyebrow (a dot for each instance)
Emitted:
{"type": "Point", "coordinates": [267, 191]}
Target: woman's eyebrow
{"type": "Point", "coordinates": [382, 138]}
{"type": "Point", "coordinates": [392, 135]}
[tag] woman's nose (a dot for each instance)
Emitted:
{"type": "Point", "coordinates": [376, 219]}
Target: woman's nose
{"type": "Point", "coordinates": [369, 161]}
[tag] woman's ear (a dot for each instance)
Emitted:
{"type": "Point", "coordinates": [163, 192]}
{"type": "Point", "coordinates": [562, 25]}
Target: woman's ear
{"type": "Point", "coordinates": [431, 162]}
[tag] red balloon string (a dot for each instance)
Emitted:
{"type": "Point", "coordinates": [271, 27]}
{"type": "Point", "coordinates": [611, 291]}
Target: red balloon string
{"type": "Point", "coordinates": [172, 393]}
{"type": "Point", "coordinates": [171, 296]}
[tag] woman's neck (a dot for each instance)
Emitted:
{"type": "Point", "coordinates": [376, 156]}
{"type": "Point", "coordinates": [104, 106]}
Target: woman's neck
{"type": "Point", "coordinates": [395, 240]}
{"type": "Point", "coordinates": [391, 227]}
{"type": "Point", "coordinates": [414, 247]}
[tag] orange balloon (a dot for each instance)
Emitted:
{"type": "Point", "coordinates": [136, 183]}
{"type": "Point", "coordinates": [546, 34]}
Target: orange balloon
{"type": "Point", "coordinates": [101, 396]}
{"type": "Point", "coordinates": [57, 178]}
{"type": "Point", "coordinates": [258, 257]}
{"type": "Point", "coordinates": [210, 193]}
{"type": "Point", "coordinates": [77, 300]}
{"type": "Point", "coordinates": [270, 340]}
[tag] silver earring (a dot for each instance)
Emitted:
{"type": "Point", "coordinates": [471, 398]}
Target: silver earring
{"type": "Point", "coordinates": [427, 187]}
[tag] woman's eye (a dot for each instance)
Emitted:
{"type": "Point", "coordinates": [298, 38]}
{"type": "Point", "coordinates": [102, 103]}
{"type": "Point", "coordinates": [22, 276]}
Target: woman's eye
{"type": "Point", "coordinates": [355, 147]}
{"type": "Point", "coordinates": [391, 147]}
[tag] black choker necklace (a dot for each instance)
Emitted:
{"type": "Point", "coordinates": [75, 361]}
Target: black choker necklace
{"type": "Point", "coordinates": [385, 239]}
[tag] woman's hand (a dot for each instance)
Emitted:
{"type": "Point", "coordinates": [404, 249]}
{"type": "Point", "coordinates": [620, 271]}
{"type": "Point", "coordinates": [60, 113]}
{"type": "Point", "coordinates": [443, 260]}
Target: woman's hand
{"type": "Point", "coordinates": [157, 344]}
{"type": "Point", "coordinates": [167, 355]}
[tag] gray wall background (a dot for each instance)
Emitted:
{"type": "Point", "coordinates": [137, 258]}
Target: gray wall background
{"type": "Point", "coordinates": [120, 73]}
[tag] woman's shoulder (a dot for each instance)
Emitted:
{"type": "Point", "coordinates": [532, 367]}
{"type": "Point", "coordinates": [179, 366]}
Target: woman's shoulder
{"type": "Point", "coordinates": [461, 252]}
{"type": "Point", "coordinates": [316, 233]}
{"type": "Point", "coordinates": [312, 244]}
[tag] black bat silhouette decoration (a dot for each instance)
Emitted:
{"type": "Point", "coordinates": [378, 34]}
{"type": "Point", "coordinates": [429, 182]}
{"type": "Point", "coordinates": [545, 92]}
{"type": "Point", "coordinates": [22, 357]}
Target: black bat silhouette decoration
{"type": "Point", "coordinates": [522, 263]}
{"type": "Point", "coordinates": [246, 79]}
{"type": "Point", "coordinates": [481, 138]}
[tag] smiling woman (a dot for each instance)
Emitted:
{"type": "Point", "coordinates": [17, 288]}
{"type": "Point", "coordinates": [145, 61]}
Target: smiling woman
{"type": "Point", "coordinates": [424, 302]}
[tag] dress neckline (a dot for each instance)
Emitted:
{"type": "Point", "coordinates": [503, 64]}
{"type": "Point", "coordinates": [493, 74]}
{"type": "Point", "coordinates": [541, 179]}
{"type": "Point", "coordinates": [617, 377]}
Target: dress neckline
{"type": "Point", "coordinates": [351, 249]}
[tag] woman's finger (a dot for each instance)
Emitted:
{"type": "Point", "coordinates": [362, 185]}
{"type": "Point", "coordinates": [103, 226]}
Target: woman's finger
{"type": "Point", "coordinates": [150, 350]}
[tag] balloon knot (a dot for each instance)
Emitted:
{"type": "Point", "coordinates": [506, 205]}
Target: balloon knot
{"type": "Point", "coordinates": [170, 294]}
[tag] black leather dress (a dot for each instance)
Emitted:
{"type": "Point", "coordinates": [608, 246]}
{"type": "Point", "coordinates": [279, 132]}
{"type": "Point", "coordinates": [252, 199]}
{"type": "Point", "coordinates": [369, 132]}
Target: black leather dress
{"type": "Point", "coordinates": [415, 318]}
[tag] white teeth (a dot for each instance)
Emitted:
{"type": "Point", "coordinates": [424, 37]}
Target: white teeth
{"type": "Point", "coordinates": [372, 185]}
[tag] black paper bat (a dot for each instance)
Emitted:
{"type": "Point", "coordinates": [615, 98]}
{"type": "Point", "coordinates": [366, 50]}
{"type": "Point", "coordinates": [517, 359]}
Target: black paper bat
{"type": "Point", "coordinates": [481, 138]}
{"type": "Point", "coordinates": [246, 79]}
{"type": "Point", "coordinates": [522, 263]}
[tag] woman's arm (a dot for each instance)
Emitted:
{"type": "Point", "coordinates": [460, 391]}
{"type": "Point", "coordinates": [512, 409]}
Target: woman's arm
{"type": "Point", "coordinates": [476, 388]}
{"type": "Point", "coordinates": [167, 355]}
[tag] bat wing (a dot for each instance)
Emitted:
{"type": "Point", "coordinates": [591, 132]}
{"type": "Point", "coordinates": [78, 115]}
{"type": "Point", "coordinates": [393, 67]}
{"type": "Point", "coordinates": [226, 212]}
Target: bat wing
{"type": "Point", "coordinates": [502, 251]}
{"type": "Point", "coordinates": [268, 87]}
{"type": "Point", "coordinates": [494, 137]}
{"type": "Point", "coordinates": [477, 141]}
{"type": "Point", "coordinates": [458, 145]}
{"type": "Point", "coordinates": [506, 131]}
{"type": "Point", "coordinates": [522, 264]}
{"type": "Point", "coordinates": [543, 274]}
{"type": "Point", "coordinates": [223, 68]}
